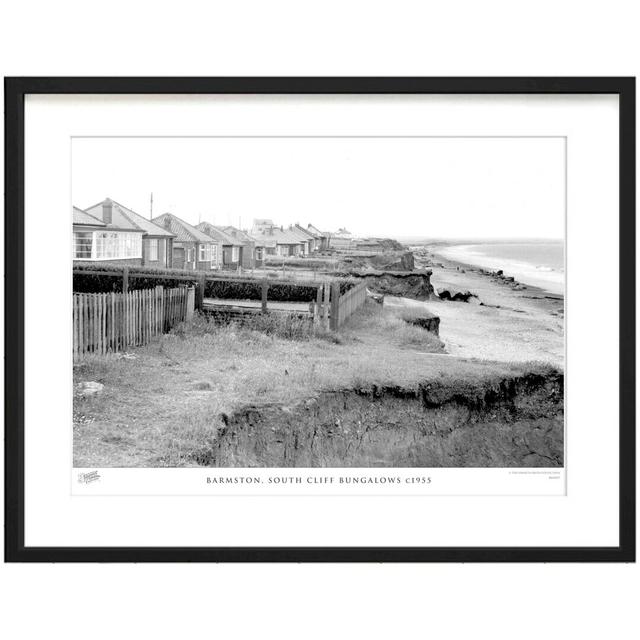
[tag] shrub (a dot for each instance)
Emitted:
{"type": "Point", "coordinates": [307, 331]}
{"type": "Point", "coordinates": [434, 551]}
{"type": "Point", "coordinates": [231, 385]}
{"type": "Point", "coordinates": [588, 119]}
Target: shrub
{"type": "Point", "coordinates": [87, 279]}
{"type": "Point", "coordinates": [280, 292]}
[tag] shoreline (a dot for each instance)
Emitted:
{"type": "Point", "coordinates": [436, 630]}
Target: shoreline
{"type": "Point", "coordinates": [492, 265]}
{"type": "Point", "coordinates": [505, 320]}
{"type": "Point", "coordinates": [487, 273]}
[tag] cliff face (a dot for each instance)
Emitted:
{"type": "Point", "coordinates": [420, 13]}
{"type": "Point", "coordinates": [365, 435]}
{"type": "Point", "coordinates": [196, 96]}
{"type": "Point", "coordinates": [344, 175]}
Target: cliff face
{"type": "Point", "coordinates": [517, 422]}
{"type": "Point", "coordinates": [416, 285]}
{"type": "Point", "coordinates": [387, 260]}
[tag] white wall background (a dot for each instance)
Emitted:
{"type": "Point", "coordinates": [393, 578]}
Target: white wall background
{"type": "Point", "coordinates": [329, 38]}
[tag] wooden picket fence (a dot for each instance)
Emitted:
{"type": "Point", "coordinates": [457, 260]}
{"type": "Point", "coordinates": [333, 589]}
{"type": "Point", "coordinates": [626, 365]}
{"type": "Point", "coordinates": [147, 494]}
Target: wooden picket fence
{"type": "Point", "coordinates": [347, 304]}
{"type": "Point", "coordinates": [110, 322]}
{"type": "Point", "coordinates": [331, 309]}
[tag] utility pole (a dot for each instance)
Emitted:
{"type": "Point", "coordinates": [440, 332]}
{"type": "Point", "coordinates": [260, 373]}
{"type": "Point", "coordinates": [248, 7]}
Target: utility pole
{"type": "Point", "coordinates": [151, 207]}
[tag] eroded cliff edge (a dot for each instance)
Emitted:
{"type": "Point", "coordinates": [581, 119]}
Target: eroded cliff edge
{"type": "Point", "coordinates": [508, 422]}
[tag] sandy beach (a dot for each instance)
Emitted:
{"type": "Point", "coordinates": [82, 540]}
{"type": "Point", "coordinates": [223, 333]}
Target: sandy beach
{"type": "Point", "coordinates": [538, 264]}
{"type": "Point", "coordinates": [508, 322]}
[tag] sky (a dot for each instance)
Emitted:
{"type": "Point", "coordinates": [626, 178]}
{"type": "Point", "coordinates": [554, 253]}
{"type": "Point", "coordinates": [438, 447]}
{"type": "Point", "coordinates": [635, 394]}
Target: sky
{"type": "Point", "coordinates": [471, 188]}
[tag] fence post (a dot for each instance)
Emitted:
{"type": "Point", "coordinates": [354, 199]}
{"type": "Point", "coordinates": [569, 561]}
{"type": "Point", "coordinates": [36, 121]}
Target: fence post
{"type": "Point", "coordinates": [335, 306]}
{"type": "Point", "coordinates": [200, 292]}
{"type": "Point", "coordinates": [325, 304]}
{"type": "Point", "coordinates": [318, 319]}
{"type": "Point", "coordinates": [265, 289]}
{"type": "Point", "coordinates": [125, 280]}
{"type": "Point", "coordinates": [75, 326]}
{"type": "Point", "coordinates": [190, 303]}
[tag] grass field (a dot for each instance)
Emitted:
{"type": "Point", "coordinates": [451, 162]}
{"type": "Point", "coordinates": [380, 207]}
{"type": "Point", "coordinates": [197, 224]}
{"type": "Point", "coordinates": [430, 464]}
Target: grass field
{"type": "Point", "coordinates": [157, 408]}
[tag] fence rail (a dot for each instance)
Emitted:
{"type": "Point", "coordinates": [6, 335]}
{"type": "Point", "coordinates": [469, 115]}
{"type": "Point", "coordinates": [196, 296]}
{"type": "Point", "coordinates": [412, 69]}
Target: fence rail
{"type": "Point", "coordinates": [110, 322]}
{"type": "Point", "coordinates": [127, 274]}
{"type": "Point", "coordinates": [331, 309]}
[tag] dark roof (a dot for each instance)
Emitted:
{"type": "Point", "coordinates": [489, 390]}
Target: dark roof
{"type": "Point", "coordinates": [231, 238]}
{"type": "Point", "coordinates": [217, 234]}
{"type": "Point", "coordinates": [300, 233]}
{"type": "Point", "coordinates": [183, 231]}
{"type": "Point", "coordinates": [239, 234]}
{"type": "Point", "coordinates": [81, 217]}
{"type": "Point", "coordinates": [124, 217]}
{"type": "Point", "coordinates": [276, 235]}
{"type": "Point", "coordinates": [118, 221]}
{"type": "Point", "coordinates": [305, 232]}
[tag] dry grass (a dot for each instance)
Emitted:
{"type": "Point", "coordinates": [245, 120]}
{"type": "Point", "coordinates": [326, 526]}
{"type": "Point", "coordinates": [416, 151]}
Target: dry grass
{"type": "Point", "coordinates": [157, 409]}
{"type": "Point", "coordinates": [279, 325]}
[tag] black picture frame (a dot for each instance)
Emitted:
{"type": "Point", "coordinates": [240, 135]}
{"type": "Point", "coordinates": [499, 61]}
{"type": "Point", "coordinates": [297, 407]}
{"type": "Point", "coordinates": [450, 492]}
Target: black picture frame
{"type": "Point", "coordinates": [15, 91]}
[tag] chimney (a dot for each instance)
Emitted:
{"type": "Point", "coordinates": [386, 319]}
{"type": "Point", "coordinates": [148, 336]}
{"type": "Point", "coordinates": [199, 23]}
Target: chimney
{"type": "Point", "coordinates": [107, 211]}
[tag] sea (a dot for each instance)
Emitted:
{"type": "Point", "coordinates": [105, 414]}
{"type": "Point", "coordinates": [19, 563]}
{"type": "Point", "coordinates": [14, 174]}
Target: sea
{"type": "Point", "coordinates": [539, 263]}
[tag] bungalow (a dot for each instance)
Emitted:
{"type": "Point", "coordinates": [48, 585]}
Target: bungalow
{"type": "Point", "coordinates": [278, 241]}
{"type": "Point", "coordinates": [302, 240]}
{"type": "Point", "coordinates": [342, 239]}
{"type": "Point", "coordinates": [267, 241]}
{"type": "Point", "coordinates": [252, 251]}
{"type": "Point", "coordinates": [231, 247]}
{"type": "Point", "coordinates": [323, 238]}
{"type": "Point", "coordinates": [103, 239]}
{"type": "Point", "coordinates": [192, 249]}
{"type": "Point", "coordinates": [157, 242]}
{"type": "Point", "coordinates": [306, 235]}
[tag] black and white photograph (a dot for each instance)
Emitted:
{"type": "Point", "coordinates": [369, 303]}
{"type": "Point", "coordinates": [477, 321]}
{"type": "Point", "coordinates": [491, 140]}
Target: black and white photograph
{"type": "Point", "coordinates": [318, 301]}
{"type": "Point", "coordinates": [321, 319]}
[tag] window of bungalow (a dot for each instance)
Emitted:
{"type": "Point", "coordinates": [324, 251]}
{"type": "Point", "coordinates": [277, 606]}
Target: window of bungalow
{"type": "Point", "coordinates": [214, 255]}
{"type": "Point", "coordinates": [82, 245]}
{"type": "Point", "coordinates": [204, 253]}
{"type": "Point", "coordinates": [191, 254]}
{"type": "Point", "coordinates": [153, 249]}
{"type": "Point", "coordinates": [235, 254]}
{"type": "Point", "coordinates": [117, 245]}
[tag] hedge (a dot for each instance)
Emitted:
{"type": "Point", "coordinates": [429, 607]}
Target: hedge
{"type": "Point", "coordinates": [278, 291]}
{"type": "Point", "coordinates": [139, 277]}
{"type": "Point", "coordinates": [85, 280]}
